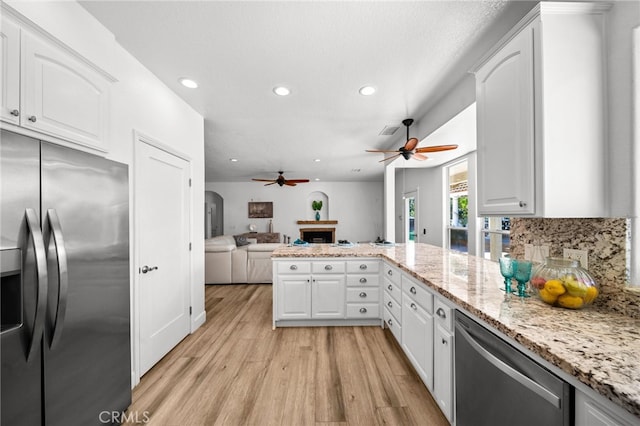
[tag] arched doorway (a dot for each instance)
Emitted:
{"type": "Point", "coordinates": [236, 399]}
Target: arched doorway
{"type": "Point", "coordinates": [213, 214]}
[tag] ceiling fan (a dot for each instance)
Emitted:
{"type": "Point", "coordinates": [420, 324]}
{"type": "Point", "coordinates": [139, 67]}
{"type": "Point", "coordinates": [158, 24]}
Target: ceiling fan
{"type": "Point", "coordinates": [409, 149]}
{"type": "Point", "coordinates": [280, 180]}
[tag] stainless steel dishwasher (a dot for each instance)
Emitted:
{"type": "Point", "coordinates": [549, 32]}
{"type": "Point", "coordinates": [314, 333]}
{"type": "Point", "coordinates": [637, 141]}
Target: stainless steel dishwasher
{"type": "Point", "coordinates": [496, 384]}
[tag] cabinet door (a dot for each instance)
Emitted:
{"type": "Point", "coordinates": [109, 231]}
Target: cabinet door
{"type": "Point", "coordinates": [417, 339]}
{"type": "Point", "coordinates": [328, 296]}
{"type": "Point", "coordinates": [294, 297]}
{"type": "Point", "coordinates": [505, 114]}
{"type": "Point", "coordinates": [10, 72]}
{"type": "Point", "coordinates": [443, 370]}
{"type": "Point", "coordinates": [61, 96]}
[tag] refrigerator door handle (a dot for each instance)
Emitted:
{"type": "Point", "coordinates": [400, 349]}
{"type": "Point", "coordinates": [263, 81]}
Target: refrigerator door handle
{"type": "Point", "coordinates": [63, 276]}
{"type": "Point", "coordinates": [41, 273]}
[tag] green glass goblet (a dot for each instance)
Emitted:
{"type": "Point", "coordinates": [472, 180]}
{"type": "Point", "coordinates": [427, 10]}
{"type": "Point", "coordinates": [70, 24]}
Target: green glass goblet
{"type": "Point", "coordinates": [508, 267]}
{"type": "Point", "coordinates": [522, 275]}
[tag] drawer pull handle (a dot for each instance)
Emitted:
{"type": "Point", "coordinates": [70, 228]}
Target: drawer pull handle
{"type": "Point", "coordinates": [363, 310]}
{"type": "Point", "coordinates": [390, 322]}
{"type": "Point", "coordinates": [363, 266]}
{"type": "Point", "coordinates": [522, 204]}
{"type": "Point", "coordinates": [363, 294]}
{"type": "Point", "coordinates": [15, 112]}
{"type": "Point", "coordinates": [33, 119]}
{"type": "Point", "coordinates": [389, 304]}
{"type": "Point", "coordinates": [390, 287]}
{"type": "Point", "coordinates": [444, 342]}
{"type": "Point", "coordinates": [390, 272]}
{"type": "Point", "coordinates": [412, 290]}
{"type": "Point", "coordinates": [363, 280]}
{"type": "Point", "coordinates": [293, 267]}
{"type": "Point", "coordinates": [328, 267]}
{"type": "Point", "coordinates": [414, 307]}
{"type": "Point", "coordinates": [440, 312]}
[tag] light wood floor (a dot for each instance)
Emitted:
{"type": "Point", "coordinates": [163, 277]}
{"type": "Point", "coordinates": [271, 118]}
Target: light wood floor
{"type": "Point", "coordinates": [236, 370]}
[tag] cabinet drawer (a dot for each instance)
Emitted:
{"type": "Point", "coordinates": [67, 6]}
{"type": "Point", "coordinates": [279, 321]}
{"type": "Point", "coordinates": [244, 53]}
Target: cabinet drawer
{"type": "Point", "coordinates": [393, 324]}
{"type": "Point", "coordinates": [393, 306]}
{"type": "Point", "coordinates": [393, 289]}
{"type": "Point", "coordinates": [328, 267]}
{"type": "Point", "coordinates": [363, 266]}
{"type": "Point", "coordinates": [363, 280]}
{"type": "Point", "coordinates": [363, 310]}
{"type": "Point", "coordinates": [294, 267]}
{"type": "Point", "coordinates": [363, 294]}
{"type": "Point", "coordinates": [418, 294]}
{"type": "Point", "coordinates": [392, 274]}
{"type": "Point", "coordinates": [443, 314]}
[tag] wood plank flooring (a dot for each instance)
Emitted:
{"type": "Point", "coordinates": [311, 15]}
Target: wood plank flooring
{"type": "Point", "coordinates": [236, 370]}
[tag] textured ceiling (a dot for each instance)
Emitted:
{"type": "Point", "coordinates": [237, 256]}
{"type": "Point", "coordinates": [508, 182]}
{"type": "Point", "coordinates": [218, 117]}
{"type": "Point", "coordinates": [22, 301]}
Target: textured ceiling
{"type": "Point", "coordinates": [324, 52]}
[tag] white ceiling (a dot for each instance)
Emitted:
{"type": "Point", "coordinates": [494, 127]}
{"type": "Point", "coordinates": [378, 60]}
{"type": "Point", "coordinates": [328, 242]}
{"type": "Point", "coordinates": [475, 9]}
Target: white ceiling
{"type": "Point", "coordinates": [238, 51]}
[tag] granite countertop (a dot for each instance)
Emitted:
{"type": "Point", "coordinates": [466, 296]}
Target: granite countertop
{"type": "Point", "coordinates": [599, 348]}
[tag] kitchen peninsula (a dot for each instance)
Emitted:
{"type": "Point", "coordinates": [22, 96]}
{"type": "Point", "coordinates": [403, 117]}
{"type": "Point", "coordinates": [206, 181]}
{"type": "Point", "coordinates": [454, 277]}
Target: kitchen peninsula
{"type": "Point", "coordinates": [594, 350]}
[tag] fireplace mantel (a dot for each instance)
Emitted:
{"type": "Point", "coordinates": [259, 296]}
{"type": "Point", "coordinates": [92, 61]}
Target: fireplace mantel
{"type": "Point", "coordinates": [317, 222]}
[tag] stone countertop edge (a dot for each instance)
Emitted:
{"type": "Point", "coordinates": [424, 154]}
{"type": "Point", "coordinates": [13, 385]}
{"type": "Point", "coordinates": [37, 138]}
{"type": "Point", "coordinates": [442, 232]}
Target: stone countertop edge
{"type": "Point", "coordinates": [599, 348]}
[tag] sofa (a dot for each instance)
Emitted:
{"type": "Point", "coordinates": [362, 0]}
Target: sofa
{"type": "Point", "coordinates": [237, 260]}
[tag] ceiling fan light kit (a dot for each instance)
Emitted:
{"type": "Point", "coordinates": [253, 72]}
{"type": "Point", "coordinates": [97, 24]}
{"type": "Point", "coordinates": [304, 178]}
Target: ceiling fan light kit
{"type": "Point", "coordinates": [409, 150]}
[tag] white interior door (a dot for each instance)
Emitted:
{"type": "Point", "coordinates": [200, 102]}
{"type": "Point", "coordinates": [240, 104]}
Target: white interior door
{"type": "Point", "coordinates": [162, 210]}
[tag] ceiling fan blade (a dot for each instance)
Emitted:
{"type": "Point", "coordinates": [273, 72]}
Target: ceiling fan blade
{"type": "Point", "coordinates": [289, 183]}
{"type": "Point", "coordinates": [411, 144]}
{"type": "Point", "coordinates": [297, 180]}
{"type": "Point", "coordinates": [419, 157]}
{"type": "Point", "coordinates": [389, 158]}
{"type": "Point", "coordinates": [436, 148]}
{"type": "Point", "coordinates": [267, 184]}
{"type": "Point", "coordinates": [263, 180]}
{"type": "Point", "coordinates": [381, 150]}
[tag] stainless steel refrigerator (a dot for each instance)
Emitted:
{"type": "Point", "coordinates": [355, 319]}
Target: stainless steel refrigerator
{"type": "Point", "coordinates": [65, 346]}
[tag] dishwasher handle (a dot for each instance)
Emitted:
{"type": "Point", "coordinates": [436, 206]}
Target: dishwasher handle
{"type": "Point", "coordinates": [509, 371]}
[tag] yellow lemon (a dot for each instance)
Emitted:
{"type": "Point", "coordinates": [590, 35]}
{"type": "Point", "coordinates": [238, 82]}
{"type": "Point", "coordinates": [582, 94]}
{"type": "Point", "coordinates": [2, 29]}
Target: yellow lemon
{"type": "Point", "coordinates": [592, 293]}
{"type": "Point", "coordinates": [554, 287]}
{"type": "Point", "coordinates": [547, 297]}
{"type": "Point", "coordinates": [569, 301]}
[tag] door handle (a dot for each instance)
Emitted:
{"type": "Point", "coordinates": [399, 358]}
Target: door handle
{"type": "Point", "coordinates": [41, 276]}
{"type": "Point", "coordinates": [63, 276]}
{"type": "Point", "coordinates": [146, 269]}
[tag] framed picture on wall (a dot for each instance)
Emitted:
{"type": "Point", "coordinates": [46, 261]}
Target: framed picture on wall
{"type": "Point", "coordinates": [261, 209]}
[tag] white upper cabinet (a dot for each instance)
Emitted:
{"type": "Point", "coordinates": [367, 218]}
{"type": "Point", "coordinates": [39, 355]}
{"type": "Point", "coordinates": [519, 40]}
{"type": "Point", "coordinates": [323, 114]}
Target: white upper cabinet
{"type": "Point", "coordinates": [540, 101]}
{"type": "Point", "coordinates": [10, 72]}
{"type": "Point", "coordinates": [50, 90]}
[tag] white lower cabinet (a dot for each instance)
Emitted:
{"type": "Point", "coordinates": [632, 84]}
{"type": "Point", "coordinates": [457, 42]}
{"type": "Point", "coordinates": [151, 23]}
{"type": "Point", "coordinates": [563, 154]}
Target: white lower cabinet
{"type": "Point", "coordinates": [417, 338]}
{"type": "Point", "coordinates": [589, 412]}
{"type": "Point", "coordinates": [443, 378]}
{"type": "Point", "coordinates": [293, 297]}
{"type": "Point", "coordinates": [327, 296]}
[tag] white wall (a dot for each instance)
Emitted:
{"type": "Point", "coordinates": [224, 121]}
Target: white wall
{"type": "Point", "coordinates": [357, 206]}
{"type": "Point", "coordinates": [139, 102]}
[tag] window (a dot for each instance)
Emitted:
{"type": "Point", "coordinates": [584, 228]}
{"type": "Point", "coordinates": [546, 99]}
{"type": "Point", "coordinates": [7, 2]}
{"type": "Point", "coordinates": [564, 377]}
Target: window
{"type": "Point", "coordinates": [495, 237]}
{"type": "Point", "coordinates": [458, 190]}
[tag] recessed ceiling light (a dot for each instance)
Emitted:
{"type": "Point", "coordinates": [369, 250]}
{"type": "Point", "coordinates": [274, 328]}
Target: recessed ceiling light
{"type": "Point", "coordinates": [317, 179]}
{"type": "Point", "coordinates": [317, 160]}
{"type": "Point", "coordinates": [233, 160]}
{"type": "Point", "coordinates": [281, 91]}
{"type": "Point", "coordinates": [367, 90]}
{"type": "Point", "coordinates": [187, 82]}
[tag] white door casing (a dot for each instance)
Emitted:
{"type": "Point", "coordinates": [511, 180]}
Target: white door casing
{"type": "Point", "coordinates": [162, 295]}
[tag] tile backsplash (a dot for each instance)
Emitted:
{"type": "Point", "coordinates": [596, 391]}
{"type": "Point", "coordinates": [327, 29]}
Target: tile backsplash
{"type": "Point", "coordinates": [605, 239]}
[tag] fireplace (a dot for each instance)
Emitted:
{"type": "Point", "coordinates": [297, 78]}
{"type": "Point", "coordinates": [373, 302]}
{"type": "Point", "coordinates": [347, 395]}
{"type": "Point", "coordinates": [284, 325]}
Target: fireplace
{"type": "Point", "coordinates": [318, 235]}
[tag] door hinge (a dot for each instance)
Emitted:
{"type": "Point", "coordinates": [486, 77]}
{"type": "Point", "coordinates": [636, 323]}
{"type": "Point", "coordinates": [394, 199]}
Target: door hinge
{"type": "Point", "coordinates": [189, 182]}
{"type": "Point", "coordinates": [189, 246]}
{"type": "Point", "coordinates": [190, 310]}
